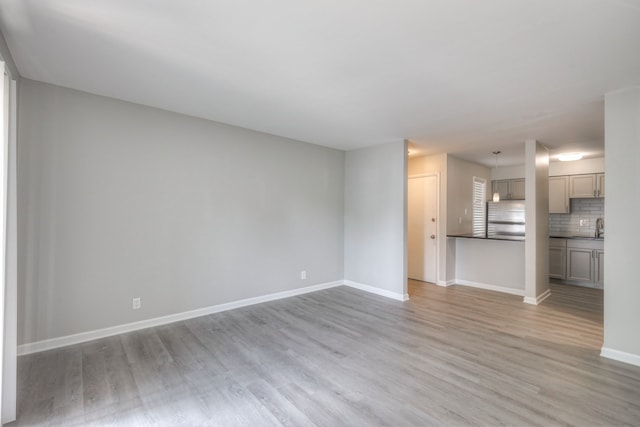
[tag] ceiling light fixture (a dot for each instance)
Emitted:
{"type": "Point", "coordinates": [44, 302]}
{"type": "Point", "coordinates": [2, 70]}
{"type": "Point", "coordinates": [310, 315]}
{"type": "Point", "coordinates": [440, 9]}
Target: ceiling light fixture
{"type": "Point", "coordinates": [568, 157]}
{"type": "Point", "coordinates": [496, 194]}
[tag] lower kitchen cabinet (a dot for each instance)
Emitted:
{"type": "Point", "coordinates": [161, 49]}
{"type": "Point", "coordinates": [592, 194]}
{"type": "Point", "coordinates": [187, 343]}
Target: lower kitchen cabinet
{"type": "Point", "coordinates": [585, 261]}
{"type": "Point", "coordinates": [599, 278]}
{"type": "Point", "coordinates": [558, 258]}
{"type": "Point", "coordinates": [577, 261]}
{"type": "Point", "coordinates": [581, 264]}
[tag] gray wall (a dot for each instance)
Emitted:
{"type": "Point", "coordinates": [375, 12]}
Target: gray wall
{"type": "Point", "coordinates": [460, 175]}
{"type": "Point", "coordinates": [5, 54]}
{"type": "Point", "coordinates": [375, 217]}
{"type": "Point", "coordinates": [118, 200]}
{"type": "Point", "coordinates": [622, 204]}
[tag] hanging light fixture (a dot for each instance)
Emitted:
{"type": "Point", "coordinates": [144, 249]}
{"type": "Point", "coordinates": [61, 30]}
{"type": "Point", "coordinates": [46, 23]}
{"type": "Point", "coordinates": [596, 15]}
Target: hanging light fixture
{"type": "Point", "coordinates": [496, 194]}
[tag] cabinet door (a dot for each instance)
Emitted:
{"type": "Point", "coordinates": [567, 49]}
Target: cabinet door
{"type": "Point", "coordinates": [559, 194]}
{"type": "Point", "coordinates": [582, 186]}
{"type": "Point", "coordinates": [599, 264]}
{"type": "Point", "coordinates": [502, 187]}
{"type": "Point", "coordinates": [600, 184]}
{"type": "Point", "coordinates": [516, 189]}
{"type": "Point", "coordinates": [557, 263]}
{"type": "Point", "coordinates": [580, 264]}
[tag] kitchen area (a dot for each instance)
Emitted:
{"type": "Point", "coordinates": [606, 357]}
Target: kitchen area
{"type": "Point", "coordinates": [576, 230]}
{"type": "Point", "coordinates": [492, 256]}
{"type": "Point", "coordinates": [576, 223]}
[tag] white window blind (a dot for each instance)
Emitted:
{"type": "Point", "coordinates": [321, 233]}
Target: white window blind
{"type": "Point", "coordinates": [479, 206]}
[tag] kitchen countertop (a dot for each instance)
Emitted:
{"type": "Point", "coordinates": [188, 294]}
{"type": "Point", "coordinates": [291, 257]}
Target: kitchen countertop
{"type": "Point", "coordinates": [521, 239]}
{"type": "Point", "coordinates": [471, 236]}
{"type": "Point", "coordinates": [575, 236]}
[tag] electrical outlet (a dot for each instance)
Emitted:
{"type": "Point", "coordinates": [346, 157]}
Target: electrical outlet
{"type": "Point", "coordinates": [303, 275]}
{"type": "Point", "coordinates": [584, 223]}
{"type": "Point", "coordinates": [137, 303]}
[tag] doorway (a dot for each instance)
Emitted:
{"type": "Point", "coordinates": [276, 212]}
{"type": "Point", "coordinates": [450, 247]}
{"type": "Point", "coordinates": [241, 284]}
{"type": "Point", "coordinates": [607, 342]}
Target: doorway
{"type": "Point", "coordinates": [422, 227]}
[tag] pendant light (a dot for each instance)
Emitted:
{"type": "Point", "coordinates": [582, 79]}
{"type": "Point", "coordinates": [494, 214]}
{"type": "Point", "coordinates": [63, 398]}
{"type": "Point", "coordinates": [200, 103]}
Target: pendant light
{"type": "Point", "coordinates": [496, 194]}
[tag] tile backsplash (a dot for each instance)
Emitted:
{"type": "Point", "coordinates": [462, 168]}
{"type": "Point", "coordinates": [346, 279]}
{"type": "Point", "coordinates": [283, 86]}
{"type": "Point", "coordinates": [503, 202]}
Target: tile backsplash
{"type": "Point", "coordinates": [585, 209]}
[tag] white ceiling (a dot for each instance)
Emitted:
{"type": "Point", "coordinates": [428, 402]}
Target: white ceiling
{"type": "Point", "coordinates": [463, 76]}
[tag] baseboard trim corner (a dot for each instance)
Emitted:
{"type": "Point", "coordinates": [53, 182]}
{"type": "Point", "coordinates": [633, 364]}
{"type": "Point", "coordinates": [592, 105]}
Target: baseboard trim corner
{"type": "Point", "coordinates": [53, 343]}
{"type": "Point", "coordinates": [372, 289]}
{"type": "Point", "coordinates": [445, 283]}
{"type": "Point", "coordinates": [512, 291]}
{"type": "Point", "coordinates": [620, 356]}
{"type": "Point", "coordinates": [537, 300]}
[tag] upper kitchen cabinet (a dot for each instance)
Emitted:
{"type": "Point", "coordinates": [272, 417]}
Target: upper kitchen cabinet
{"type": "Point", "coordinates": [516, 189]}
{"type": "Point", "coordinates": [501, 187]}
{"type": "Point", "coordinates": [558, 194]}
{"type": "Point", "coordinates": [509, 189]}
{"type": "Point", "coordinates": [586, 186]}
{"type": "Point", "coordinates": [600, 184]}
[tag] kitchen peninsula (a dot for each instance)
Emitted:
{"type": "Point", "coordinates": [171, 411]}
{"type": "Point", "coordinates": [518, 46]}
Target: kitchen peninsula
{"type": "Point", "coordinates": [494, 263]}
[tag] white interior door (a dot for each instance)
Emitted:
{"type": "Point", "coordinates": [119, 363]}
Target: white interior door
{"type": "Point", "coordinates": [422, 224]}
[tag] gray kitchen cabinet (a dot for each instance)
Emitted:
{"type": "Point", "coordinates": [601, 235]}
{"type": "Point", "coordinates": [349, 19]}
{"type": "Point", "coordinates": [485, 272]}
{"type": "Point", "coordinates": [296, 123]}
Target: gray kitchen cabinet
{"type": "Point", "coordinates": [558, 258]}
{"type": "Point", "coordinates": [501, 187]}
{"type": "Point", "coordinates": [599, 275]}
{"type": "Point", "coordinates": [585, 261]}
{"type": "Point", "coordinates": [509, 189]}
{"type": "Point", "coordinates": [516, 189]}
{"type": "Point", "coordinates": [586, 186]}
{"type": "Point", "coordinates": [580, 264]}
{"type": "Point", "coordinates": [600, 184]}
{"type": "Point", "coordinates": [559, 194]}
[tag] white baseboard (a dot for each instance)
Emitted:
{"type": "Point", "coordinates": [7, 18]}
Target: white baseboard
{"type": "Point", "coordinates": [445, 283]}
{"type": "Point", "coordinates": [377, 291]}
{"type": "Point", "coordinates": [620, 356]}
{"type": "Point", "coordinates": [52, 343]}
{"type": "Point", "coordinates": [512, 291]}
{"type": "Point", "coordinates": [537, 300]}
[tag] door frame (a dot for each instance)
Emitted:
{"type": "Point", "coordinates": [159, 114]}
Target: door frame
{"type": "Point", "coordinates": [439, 220]}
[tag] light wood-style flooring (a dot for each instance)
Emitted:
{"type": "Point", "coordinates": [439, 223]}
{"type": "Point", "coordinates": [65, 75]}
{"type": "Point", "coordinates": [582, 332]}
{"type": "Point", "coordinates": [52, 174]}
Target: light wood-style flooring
{"type": "Point", "coordinates": [341, 357]}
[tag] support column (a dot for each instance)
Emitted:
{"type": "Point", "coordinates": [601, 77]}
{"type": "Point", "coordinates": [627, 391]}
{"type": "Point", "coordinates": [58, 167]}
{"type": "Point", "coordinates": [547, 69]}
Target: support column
{"type": "Point", "coordinates": [537, 222]}
{"type": "Point", "coordinates": [622, 237]}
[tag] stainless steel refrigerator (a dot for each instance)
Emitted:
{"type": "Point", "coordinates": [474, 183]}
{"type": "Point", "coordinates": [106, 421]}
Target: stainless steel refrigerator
{"type": "Point", "coordinates": [505, 220]}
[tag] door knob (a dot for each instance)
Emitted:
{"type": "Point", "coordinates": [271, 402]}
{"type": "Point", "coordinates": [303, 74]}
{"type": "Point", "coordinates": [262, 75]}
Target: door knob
{"type": "Point", "coordinates": [433, 236]}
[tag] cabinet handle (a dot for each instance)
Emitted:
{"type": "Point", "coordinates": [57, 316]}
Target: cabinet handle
{"type": "Point", "coordinates": [594, 193]}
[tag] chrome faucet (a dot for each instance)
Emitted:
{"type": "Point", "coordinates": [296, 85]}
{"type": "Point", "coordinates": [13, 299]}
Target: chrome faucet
{"type": "Point", "coordinates": [599, 227]}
